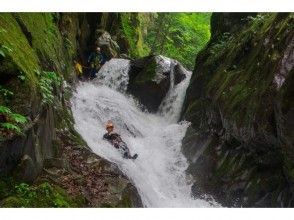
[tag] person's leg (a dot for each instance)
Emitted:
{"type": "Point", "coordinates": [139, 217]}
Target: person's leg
{"type": "Point", "coordinates": [126, 150]}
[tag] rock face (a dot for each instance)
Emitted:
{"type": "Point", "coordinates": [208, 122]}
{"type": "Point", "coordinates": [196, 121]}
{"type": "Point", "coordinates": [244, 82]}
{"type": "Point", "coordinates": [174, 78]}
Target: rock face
{"type": "Point", "coordinates": [150, 79]}
{"type": "Point", "coordinates": [240, 144]}
{"type": "Point", "coordinates": [108, 46]}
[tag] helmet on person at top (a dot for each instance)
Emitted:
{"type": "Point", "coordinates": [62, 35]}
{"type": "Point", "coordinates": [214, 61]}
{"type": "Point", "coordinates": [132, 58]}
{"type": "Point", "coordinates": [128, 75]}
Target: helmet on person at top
{"type": "Point", "coordinates": [109, 125]}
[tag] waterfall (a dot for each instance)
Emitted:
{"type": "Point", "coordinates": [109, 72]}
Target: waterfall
{"type": "Point", "coordinates": [159, 171]}
{"type": "Point", "coordinates": [171, 106]}
{"type": "Point", "coordinates": [114, 74]}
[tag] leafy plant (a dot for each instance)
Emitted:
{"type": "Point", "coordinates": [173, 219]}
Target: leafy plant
{"type": "Point", "coordinates": [5, 110]}
{"type": "Point", "coordinates": [47, 82]}
{"type": "Point", "coordinates": [179, 35]}
{"type": "Point", "coordinates": [10, 122]}
{"type": "Point", "coordinates": [21, 77]}
{"type": "Point", "coordinates": [11, 127]}
{"type": "Point", "coordinates": [7, 94]}
{"type": "Point", "coordinates": [258, 17]}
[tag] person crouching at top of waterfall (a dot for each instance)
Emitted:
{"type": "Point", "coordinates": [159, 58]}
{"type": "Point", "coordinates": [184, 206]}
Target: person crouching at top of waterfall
{"type": "Point", "coordinates": [95, 60]}
{"type": "Point", "coordinates": [116, 140]}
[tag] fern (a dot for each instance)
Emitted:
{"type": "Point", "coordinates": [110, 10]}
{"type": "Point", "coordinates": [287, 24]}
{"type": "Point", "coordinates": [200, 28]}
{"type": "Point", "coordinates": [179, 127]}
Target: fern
{"type": "Point", "coordinates": [47, 82]}
{"type": "Point", "coordinates": [14, 121]}
{"type": "Point", "coordinates": [12, 127]}
{"type": "Point", "coordinates": [5, 110]}
{"type": "Point", "coordinates": [20, 119]}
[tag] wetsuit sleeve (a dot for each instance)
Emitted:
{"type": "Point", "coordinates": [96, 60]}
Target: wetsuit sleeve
{"type": "Point", "coordinates": [105, 137]}
{"type": "Point", "coordinates": [90, 58]}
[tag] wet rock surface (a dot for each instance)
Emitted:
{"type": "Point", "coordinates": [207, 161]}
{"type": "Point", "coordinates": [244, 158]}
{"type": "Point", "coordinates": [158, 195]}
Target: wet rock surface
{"type": "Point", "coordinates": [150, 79]}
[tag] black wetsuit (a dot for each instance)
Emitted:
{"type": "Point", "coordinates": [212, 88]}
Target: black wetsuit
{"type": "Point", "coordinates": [118, 143]}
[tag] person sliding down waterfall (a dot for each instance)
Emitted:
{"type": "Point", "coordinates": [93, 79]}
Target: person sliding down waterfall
{"type": "Point", "coordinates": [117, 142]}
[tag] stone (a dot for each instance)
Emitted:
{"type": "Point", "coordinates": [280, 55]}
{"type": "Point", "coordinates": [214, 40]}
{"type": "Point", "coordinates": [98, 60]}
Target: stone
{"type": "Point", "coordinates": [109, 47]}
{"type": "Point", "coordinates": [26, 170]}
{"type": "Point", "coordinates": [150, 79]}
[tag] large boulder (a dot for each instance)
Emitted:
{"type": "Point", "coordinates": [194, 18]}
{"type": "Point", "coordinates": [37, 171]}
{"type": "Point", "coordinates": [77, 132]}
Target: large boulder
{"type": "Point", "coordinates": [240, 144]}
{"type": "Point", "coordinates": [150, 79]}
{"type": "Point", "coordinates": [108, 45]}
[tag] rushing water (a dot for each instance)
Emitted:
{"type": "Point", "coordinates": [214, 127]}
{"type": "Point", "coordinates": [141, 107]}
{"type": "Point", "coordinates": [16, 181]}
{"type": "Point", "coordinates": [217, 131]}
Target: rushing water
{"type": "Point", "coordinates": [159, 171]}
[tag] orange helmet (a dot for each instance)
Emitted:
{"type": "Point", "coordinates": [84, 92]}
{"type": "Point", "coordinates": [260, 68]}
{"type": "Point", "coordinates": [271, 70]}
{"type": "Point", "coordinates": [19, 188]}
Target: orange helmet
{"type": "Point", "coordinates": [109, 125]}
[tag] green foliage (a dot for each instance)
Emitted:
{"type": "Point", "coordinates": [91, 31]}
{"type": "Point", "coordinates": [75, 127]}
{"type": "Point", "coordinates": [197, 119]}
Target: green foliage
{"type": "Point", "coordinates": [4, 110]}
{"type": "Point", "coordinates": [13, 124]}
{"type": "Point", "coordinates": [47, 82]}
{"type": "Point", "coordinates": [132, 25]}
{"type": "Point", "coordinates": [5, 93]}
{"type": "Point", "coordinates": [243, 66]}
{"type": "Point", "coordinates": [179, 35]}
{"type": "Point", "coordinates": [10, 127]}
{"type": "Point", "coordinates": [22, 77]}
{"type": "Point", "coordinates": [221, 44]}
{"type": "Point", "coordinates": [43, 195]}
{"type": "Point", "coordinates": [259, 17]}
{"type": "Point", "coordinates": [17, 118]}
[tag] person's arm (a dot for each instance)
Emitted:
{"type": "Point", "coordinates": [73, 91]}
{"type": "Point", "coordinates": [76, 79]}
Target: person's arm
{"type": "Point", "coordinates": [105, 137]}
{"type": "Point", "coordinates": [90, 58]}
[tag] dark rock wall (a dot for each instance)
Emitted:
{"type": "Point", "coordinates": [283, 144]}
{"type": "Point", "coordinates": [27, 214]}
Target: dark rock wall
{"type": "Point", "coordinates": [240, 143]}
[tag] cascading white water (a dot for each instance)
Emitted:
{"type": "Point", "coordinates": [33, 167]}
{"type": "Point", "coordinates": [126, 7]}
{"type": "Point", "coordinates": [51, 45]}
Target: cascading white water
{"type": "Point", "coordinates": [171, 106]}
{"type": "Point", "coordinates": [159, 171]}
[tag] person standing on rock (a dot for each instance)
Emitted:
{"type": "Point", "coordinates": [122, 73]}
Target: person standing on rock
{"type": "Point", "coordinates": [117, 142]}
{"type": "Point", "coordinates": [95, 61]}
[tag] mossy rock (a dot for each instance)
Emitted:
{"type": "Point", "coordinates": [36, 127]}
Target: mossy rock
{"type": "Point", "coordinates": [42, 195]}
{"type": "Point", "coordinates": [12, 202]}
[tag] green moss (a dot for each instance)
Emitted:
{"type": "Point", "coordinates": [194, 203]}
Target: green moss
{"type": "Point", "coordinates": [30, 45]}
{"type": "Point", "coordinates": [125, 202]}
{"type": "Point", "coordinates": [19, 51]}
{"type": "Point", "coordinates": [132, 28]}
{"type": "Point", "coordinates": [148, 74]}
{"type": "Point", "coordinates": [13, 202]}
{"type": "Point", "coordinates": [54, 52]}
{"type": "Point", "coordinates": [42, 195]}
{"type": "Point", "coordinates": [244, 73]}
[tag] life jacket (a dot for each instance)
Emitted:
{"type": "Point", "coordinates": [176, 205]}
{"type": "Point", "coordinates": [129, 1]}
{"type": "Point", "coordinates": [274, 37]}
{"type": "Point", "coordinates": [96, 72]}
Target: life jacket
{"type": "Point", "coordinates": [79, 69]}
